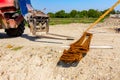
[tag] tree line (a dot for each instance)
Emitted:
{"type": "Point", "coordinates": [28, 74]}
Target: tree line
{"type": "Point", "coordinates": [91, 13]}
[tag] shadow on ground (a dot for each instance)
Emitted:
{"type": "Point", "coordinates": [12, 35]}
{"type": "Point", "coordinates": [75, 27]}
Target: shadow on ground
{"type": "Point", "coordinates": [4, 35]}
{"type": "Point", "coordinates": [35, 38]}
{"type": "Point", "coordinates": [73, 63]}
{"type": "Point", "coordinates": [47, 36]}
{"type": "Point", "coordinates": [67, 65]}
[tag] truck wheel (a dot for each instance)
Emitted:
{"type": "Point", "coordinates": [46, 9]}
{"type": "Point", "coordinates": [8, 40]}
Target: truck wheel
{"type": "Point", "coordinates": [15, 32]}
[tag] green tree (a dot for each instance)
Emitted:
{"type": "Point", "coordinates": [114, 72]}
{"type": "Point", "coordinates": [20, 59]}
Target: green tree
{"type": "Point", "coordinates": [113, 12]}
{"type": "Point", "coordinates": [52, 15]}
{"type": "Point", "coordinates": [94, 13]}
{"type": "Point", "coordinates": [60, 14]}
{"type": "Point", "coordinates": [67, 15]}
{"type": "Point", "coordinates": [117, 12]}
{"type": "Point", "coordinates": [73, 13]}
{"type": "Point", "coordinates": [83, 14]}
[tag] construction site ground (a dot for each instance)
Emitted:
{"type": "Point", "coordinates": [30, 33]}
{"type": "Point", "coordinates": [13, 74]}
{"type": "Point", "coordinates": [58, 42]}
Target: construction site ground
{"type": "Point", "coordinates": [35, 57]}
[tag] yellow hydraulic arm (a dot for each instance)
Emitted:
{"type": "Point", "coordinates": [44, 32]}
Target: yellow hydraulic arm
{"type": "Point", "coordinates": [80, 48]}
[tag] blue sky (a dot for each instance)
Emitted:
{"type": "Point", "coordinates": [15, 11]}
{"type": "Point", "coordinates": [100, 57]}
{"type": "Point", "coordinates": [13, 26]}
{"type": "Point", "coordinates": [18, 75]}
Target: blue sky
{"type": "Point", "coordinates": [68, 5]}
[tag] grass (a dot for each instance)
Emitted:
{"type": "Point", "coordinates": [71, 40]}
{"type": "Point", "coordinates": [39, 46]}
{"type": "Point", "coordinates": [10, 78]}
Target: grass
{"type": "Point", "coordinates": [54, 21]}
{"type": "Point", "coordinates": [17, 48]}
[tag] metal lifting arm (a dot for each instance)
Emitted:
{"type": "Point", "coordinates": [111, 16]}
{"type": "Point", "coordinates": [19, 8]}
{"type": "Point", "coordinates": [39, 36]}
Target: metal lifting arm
{"type": "Point", "coordinates": [37, 20]}
{"type": "Point", "coordinates": [101, 17]}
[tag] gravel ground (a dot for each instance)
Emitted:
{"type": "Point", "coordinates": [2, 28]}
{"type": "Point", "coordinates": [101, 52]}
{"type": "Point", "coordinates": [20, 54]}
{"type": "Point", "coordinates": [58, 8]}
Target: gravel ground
{"type": "Point", "coordinates": [35, 57]}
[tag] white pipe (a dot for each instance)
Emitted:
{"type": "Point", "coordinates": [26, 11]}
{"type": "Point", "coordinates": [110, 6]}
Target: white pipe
{"type": "Point", "coordinates": [95, 47]}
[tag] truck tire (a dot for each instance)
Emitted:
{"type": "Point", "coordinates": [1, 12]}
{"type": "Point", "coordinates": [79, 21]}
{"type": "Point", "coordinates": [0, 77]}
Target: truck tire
{"type": "Point", "coordinates": [15, 32]}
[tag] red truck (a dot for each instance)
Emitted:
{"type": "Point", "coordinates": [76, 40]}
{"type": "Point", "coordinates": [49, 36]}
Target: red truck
{"type": "Point", "coordinates": [15, 13]}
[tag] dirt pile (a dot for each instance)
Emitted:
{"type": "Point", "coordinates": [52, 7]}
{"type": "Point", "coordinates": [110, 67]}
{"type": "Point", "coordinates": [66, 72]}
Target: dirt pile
{"type": "Point", "coordinates": [111, 22]}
